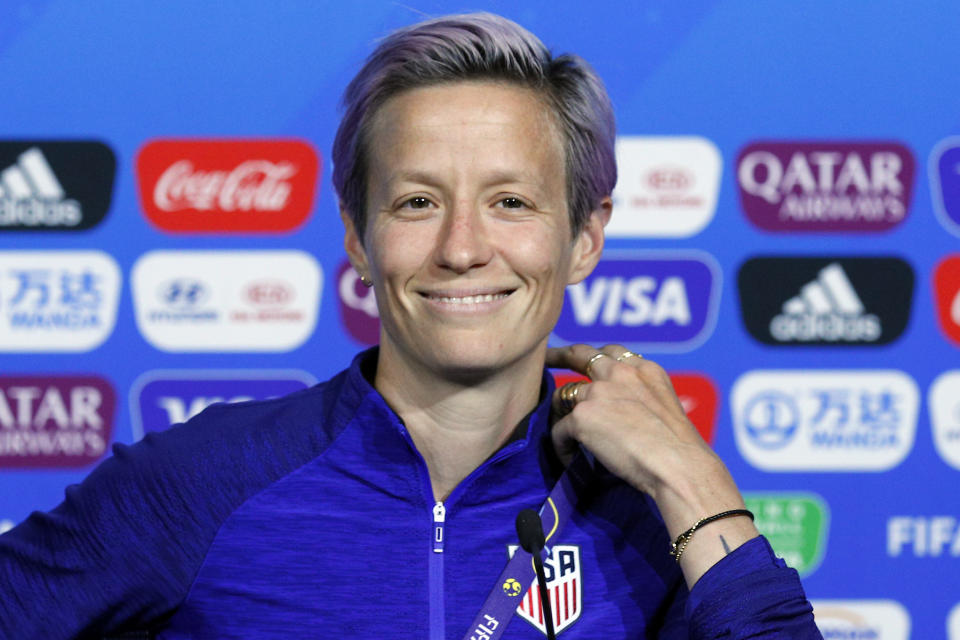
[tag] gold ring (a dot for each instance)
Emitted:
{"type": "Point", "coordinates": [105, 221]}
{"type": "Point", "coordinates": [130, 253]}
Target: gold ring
{"type": "Point", "coordinates": [569, 394]}
{"type": "Point", "coordinates": [628, 354]}
{"type": "Point", "coordinates": [594, 358]}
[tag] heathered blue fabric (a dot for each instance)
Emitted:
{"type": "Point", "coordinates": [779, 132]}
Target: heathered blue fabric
{"type": "Point", "coordinates": [311, 516]}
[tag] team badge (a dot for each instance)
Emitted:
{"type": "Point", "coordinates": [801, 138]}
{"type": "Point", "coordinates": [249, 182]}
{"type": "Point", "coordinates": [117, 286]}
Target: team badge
{"type": "Point", "coordinates": [561, 568]}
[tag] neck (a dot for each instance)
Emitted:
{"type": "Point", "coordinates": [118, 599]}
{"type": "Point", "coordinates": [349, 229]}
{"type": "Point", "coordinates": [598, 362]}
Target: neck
{"type": "Point", "coordinates": [457, 422]}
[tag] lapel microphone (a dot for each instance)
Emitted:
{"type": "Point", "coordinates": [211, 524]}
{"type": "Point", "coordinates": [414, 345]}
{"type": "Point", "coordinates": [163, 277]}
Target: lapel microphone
{"type": "Point", "coordinates": [530, 535]}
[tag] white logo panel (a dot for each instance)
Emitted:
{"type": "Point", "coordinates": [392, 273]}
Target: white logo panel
{"type": "Point", "coordinates": [824, 420]}
{"type": "Point", "coordinates": [953, 623]}
{"type": "Point", "coordinates": [57, 301]}
{"type": "Point", "coordinates": [203, 301]}
{"type": "Point", "coordinates": [944, 402]}
{"type": "Point", "coordinates": [666, 187]}
{"type": "Point", "coordinates": [875, 619]}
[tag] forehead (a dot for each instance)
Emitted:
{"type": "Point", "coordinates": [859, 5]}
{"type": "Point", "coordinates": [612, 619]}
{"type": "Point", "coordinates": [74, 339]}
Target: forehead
{"type": "Point", "coordinates": [429, 124]}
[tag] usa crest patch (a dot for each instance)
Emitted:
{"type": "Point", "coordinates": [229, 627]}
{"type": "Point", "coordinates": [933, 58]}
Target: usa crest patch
{"type": "Point", "coordinates": [561, 568]}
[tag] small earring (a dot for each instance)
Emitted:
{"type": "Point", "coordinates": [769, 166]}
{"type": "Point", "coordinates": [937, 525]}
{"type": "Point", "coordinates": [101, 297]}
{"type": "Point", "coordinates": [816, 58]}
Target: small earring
{"type": "Point", "coordinates": [366, 282]}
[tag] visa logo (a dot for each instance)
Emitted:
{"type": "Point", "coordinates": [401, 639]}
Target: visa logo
{"type": "Point", "coordinates": [632, 302]}
{"type": "Point", "coordinates": [161, 398]}
{"type": "Point", "coordinates": [179, 410]}
{"type": "Point", "coordinates": [655, 301]}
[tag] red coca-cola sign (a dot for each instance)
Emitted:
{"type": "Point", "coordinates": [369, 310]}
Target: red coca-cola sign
{"type": "Point", "coordinates": [252, 186]}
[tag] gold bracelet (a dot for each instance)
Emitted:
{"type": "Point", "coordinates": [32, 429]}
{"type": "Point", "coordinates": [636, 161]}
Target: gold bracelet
{"type": "Point", "coordinates": [684, 538]}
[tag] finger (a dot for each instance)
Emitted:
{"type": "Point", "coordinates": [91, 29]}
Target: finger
{"type": "Point", "coordinates": [565, 445]}
{"type": "Point", "coordinates": [624, 355]}
{"type": "Point", "coordinates": [565, 398]}
{"type": "Point", "coordinates": [581, 358]}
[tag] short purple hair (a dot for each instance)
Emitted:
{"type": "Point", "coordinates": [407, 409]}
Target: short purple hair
{"type": "Point", "coordinates": [480, 46]}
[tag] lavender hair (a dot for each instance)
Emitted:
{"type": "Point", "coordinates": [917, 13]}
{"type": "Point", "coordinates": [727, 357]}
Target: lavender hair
{"type": "Point", "coordinates": [480, 46]}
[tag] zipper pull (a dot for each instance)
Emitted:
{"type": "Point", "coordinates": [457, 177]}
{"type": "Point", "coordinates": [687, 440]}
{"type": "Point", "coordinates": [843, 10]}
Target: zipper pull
{"type": "Point", "coordinates": [439, 515]}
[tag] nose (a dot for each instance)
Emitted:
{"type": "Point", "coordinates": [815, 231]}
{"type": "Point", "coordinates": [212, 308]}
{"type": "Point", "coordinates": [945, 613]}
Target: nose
{"type": "Point", "coordinates": [463, 243]}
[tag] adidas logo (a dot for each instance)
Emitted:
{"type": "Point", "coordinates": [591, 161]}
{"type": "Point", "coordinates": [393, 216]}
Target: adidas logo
{"type": "Point", "coordinates": [826, 309]}
{"type": "Point", "coordinates": [31, 195]}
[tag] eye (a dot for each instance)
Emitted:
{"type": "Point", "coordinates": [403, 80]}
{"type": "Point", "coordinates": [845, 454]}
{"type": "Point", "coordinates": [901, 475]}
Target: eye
{"type": "Point", "coordinates": [417, 202]}
{"type": "Point", "coordinates": [512, 202]}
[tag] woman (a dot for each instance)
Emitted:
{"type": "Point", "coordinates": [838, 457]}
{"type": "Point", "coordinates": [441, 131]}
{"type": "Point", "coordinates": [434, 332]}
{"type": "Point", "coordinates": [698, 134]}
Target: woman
{"type": "Point", "coordinates": [475, 174]}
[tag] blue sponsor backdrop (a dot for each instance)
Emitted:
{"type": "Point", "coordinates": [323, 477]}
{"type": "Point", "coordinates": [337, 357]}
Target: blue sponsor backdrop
{"type": "Point", "coordinates": [732, 72]}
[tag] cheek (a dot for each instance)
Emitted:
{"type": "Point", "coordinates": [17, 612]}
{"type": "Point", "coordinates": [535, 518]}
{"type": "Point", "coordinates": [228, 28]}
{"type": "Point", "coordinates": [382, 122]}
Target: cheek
{"type": "Point", "coordinates": [397, 251]}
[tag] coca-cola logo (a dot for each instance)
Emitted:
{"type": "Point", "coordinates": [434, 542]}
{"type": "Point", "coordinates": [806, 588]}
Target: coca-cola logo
{"type": "Point", "coordinates": [227, 185]}
{"type": "Point", "coordinates": [669, 179]}
{"type": "Point", "coordinates": [269, 293]}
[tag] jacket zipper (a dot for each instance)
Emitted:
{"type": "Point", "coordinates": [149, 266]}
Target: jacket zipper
{"type": "Point", "coordinates": [435, 586]}
{"type": "Point", "coordinates": [437, 621]}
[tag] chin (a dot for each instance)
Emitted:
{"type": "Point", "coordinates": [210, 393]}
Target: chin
{"type": "Point", "coordinates": [474, 359]}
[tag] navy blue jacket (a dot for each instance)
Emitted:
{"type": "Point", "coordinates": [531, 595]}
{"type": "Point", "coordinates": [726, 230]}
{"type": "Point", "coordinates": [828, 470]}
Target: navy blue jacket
{"type": "Point", "coordinates": [312, 516]}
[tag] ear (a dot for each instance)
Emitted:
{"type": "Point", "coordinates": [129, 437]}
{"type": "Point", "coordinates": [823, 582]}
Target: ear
{"type": "Point", "coordinates": [353, 243]}
{"type": "Point", "coordinates": [588, 245]}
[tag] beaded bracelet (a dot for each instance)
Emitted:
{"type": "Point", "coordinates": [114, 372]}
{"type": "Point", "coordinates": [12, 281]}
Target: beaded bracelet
{"type": "Point", "coordinates": [684, 538]}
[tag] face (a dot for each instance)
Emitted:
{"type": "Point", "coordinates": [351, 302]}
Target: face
{"type": "Point", "coordinates": [468, 239]}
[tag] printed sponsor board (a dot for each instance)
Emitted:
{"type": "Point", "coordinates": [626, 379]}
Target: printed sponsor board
{"type": "Point", "coordinates": [825, 186]}
{"type": "Point", "coordinates": [944, 171]}
{"type": "Point", "coordinates": [697, 394]}
{"type": "Point", "coordinates": [201, 186]}
{"type": "Point", "coordinates": [946, 285]}
{"type": "Point", "coordinates": [650, 301]}
{"type": "Point", "coordinates": [861, 619]}
{"type": "Point", "coordinates": [667, 187]}
{"type": "Point", "coordinates": [57, 301]}
{"type": "Point", "coordinates": [796, 525]}
{"type": "Point", "coordinates": [824, 420]}
{"type": "Point", "coordinates": [357, 305]}
{"type": "Point", "coordinates": [54, 421]}
{"type": "Point", "coordinates": [953, 623]}
{"type": "Point", "coordinates": [159, 399]}
{"type": "Point", "coordinates": [923, 536]}
{"type": "Point", "coordinates": [48, 185]}
{"type": "Point", "coordinates": [825, 300]}
{"type": "Point", "coordinates": [205, 301]}
{"type": "Point", "coordinates": [943, 401]}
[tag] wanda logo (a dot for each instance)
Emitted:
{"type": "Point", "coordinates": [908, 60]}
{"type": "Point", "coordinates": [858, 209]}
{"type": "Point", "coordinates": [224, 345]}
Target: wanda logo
{"type": "Point", "coordinates": [269, 293]}
{"type": "Point", "coordinates": [669, 179]}
{"type": "Point", "coordinates": [189, 186]}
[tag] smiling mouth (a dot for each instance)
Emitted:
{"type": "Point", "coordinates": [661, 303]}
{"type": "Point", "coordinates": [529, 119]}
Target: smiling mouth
{"type": "Point", "coordinates": [478, 298]}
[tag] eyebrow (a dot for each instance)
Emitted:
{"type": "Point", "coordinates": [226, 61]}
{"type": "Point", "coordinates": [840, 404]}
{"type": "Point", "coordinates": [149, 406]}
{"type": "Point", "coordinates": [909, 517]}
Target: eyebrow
{"type": "Point", "coordinates": [496, 177]}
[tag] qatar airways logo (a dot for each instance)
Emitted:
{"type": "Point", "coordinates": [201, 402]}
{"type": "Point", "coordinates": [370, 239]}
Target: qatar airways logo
{"type": "Point", "coordinates": [825, 186]}
{"type": "Point", "coordinates": [652, 301]}
{"type": "Point", "coordinates": [54, 421]}
{"type": "Point", "coordinates": [227, 185]}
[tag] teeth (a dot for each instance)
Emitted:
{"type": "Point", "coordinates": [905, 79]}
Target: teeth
{"type": "Point", "coordinates": [473, 299]}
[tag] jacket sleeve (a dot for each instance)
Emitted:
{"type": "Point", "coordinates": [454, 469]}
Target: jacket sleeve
{"type": "Point", "coordinates": [750, 594]}
{"type": "Point", "coordinates": [112, 555]}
